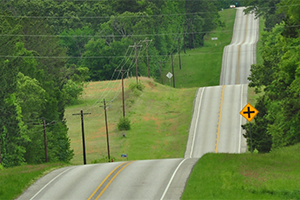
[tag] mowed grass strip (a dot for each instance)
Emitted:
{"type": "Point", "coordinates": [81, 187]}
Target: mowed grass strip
{"type": "Point", "coordinates": [13, 181]}
{"type": "Point", "coordinates": [160, 118]}
{"type": "Point", "coordinates": [201, 67]}
{"type": "Point", "coordinates": [246, 176]}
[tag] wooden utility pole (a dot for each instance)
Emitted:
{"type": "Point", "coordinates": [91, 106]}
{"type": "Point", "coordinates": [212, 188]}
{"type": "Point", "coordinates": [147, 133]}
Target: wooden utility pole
{"type": "Point", "coordinates": [147, 54]}
{"type": "Point", "coordinates": [193, 33]}
{"type": "Point", "coordinates": [184, 36]}
{"type": "Point", "coordinates": [179, 53]}
{"type": "Point", "coordinates": [173, 70]}
{"type": "Point", "coordinates": [135, 46]}
{"type": "Point", "coordinates": [123, 99]}
{"type": "Point", "coordinates": [45, 140]}
{"type": "Point", "coordinates": [45, 136]}
{"type": "Point", "coordinates": [82, 130]}
{"type": "Point", "coordinates": [160, 63]}
{"type": "Point", "coordinates": [107, 139]}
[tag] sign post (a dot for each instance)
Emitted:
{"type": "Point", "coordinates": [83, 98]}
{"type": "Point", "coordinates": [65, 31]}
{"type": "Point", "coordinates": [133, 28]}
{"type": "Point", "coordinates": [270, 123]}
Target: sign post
{"type": "Point", "coordinates": [169, 75]}
{"type": "Point", "coordinates": [249, 112]}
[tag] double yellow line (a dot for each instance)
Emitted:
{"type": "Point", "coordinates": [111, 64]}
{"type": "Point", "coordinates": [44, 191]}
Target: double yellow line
{"type": "Point", "coordinates": [107, 181]}
{"type": "Point", "coordinates": [219, 122]}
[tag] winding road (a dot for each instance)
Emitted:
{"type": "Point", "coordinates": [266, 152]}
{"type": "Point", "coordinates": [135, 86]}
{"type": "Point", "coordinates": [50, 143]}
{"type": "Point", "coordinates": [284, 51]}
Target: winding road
{"type": "Point", "coordinates": [215, 127]}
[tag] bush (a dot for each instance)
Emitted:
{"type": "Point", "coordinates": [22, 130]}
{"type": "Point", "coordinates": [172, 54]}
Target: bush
{"type": "Point", "coordinates": [104, 159]}
{"type": "Point", "coordinates": [124, 124]}
{"type": "Point", "coordinates": [138, 86]}
{"type": "Point", "coordinates": [1, 167]}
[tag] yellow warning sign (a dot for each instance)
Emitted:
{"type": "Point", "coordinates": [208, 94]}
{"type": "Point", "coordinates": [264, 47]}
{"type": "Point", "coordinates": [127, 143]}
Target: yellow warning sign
{"type": "Point", "coordinates": [249, 112]}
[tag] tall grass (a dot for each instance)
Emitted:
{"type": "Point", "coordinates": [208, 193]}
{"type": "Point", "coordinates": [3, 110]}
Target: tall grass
{"type": "Point", "coordinates": [246, 176]}
{"type": "Point", "coordinates": [13, 181]}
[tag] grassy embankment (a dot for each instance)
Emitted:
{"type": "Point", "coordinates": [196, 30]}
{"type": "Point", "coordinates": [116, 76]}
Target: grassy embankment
{"type": "Point", "coordinates": [14, 180]}
{"type": "Point", "coordinates": [160, 115]}
{"type": "Point", "coordinates": [246, 176]}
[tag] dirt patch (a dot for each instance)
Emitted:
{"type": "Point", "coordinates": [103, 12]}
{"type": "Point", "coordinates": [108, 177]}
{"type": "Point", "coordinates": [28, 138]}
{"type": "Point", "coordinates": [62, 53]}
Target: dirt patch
{"type": "Point", "coordinates": [156, 120]}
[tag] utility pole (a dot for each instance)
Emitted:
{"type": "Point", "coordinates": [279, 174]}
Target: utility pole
{"type": "Point", "coordinates": [179, 53]}
{"type": "Point", "coordinates": [123, 99]}
{"type": "Point", "coordinates": [45, 140]}
{"type": "Point", "coordinates": [82, 129]}
{"type": "Point", "coordinates": [184, 36]}
{"type": "Point", "coordinates": [173, 70]}
{"type": "Point", "coordinates": [45, 136]}
{"type": "Point", "coordinates": [193, 33]}
{"type": "Point", "coordinates": [107, 140]}
{"type": "Point", "coordinates": [135, 54]}
{"type": "Point", "coordinates": [147, 54]}
{"type": "Point", "coordinates": [161, 79]}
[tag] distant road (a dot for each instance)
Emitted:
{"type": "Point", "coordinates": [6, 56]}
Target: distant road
{"type": "Point", "coordinates": [241, 53]}
{"type": "Point", "coordinates": [215, 127]}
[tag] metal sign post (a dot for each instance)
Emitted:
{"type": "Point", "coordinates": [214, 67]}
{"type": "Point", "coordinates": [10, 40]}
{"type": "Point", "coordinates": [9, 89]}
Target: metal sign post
{"type": "Point", "coordinates": [169, 75]}
{"type": "Point", "coordinates": [249, 112]}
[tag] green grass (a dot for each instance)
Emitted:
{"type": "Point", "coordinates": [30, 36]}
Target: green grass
{"type": "Point", "coordinates": [202, 66]}
{"type": "Point", "coordinates": [160, 115]}
{"type": "Point", "coordinates": [160, 119]}
{"type": "Point", "coordinates": [246, 176]}
{"type": "Point", "coordinates": [13, 181]}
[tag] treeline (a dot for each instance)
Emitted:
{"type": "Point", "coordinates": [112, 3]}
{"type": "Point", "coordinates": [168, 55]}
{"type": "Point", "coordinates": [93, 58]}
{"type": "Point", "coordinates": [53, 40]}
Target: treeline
{"type": "Point", "coordinates": [278, 78]}
{"type": "Point", "coordinates": [50, 47]}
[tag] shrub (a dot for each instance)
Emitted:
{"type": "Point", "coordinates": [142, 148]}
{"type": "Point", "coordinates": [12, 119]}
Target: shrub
{"type": "Point", "coordinates": [124, 124]}
{"type": "Point", "coordinates": [138, 86]}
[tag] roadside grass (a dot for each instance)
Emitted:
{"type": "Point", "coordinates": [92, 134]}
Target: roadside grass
{"type": "Point", "coordinates": [246, 176]}
{"type": "Point", "coordinates": [13, 181]}
{"type": "Point", "coordinates": [160, 118]}
{"type": "Point", "coordinates": [201, 67]}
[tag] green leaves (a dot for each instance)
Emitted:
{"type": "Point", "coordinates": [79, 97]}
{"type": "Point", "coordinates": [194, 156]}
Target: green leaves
{"type": "Point", "coordinates": [279, 76]}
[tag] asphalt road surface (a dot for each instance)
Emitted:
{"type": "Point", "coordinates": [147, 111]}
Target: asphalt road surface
{"type": "Point", "coordinates": [215, 127]}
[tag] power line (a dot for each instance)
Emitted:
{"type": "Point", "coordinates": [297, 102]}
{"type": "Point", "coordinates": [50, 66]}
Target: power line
{"type": "Point", "coordinates": [95, 57]}
{"type": "Point", "coordinates": [133, 16]}
{"type": "Point", "coordinates": [141, 35]}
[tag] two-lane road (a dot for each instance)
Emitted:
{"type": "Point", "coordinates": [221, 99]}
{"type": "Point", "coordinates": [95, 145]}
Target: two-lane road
{"type": "Point", "coordinates": [215, 127]}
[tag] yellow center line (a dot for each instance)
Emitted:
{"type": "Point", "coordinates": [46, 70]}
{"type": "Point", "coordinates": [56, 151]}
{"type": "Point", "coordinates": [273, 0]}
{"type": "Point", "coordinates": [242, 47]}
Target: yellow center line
{"type": "Point", "coordinates": [239, 55]}
{"type": "Point", "coordinates": [219, 123]}
{"type": "Point", "coordinates": [108, 177]}
{"type": "Point", "coordinates": [112, 179]}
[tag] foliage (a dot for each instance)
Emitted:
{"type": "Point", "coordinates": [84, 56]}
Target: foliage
{"type": "Point", "coordinates": [124, 124]}
{"type": "Point", "coordinates": [267, 9]}
{"type": "Point", "coordinates": [278, 76]}
{"type": "Point", "coordinates": [139, 86]}
{"type": "Point", "coordinates": [104, 159]}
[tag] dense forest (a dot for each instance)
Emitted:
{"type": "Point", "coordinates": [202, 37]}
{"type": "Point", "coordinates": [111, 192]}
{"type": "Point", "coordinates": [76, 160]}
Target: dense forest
{"type": "Point", "coordinates": [278, 78]}
{"type": "Point", "coordinates": [49, 48]}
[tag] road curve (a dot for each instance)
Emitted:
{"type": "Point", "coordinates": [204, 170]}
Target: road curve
{"type": "Point", "coordinates": [215, 127]}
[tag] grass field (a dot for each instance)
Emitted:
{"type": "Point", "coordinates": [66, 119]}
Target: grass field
{"type": "Point", "coordinates": [14, 180]}
{"type": "Point", "coordinates": [246, 176]}
{"type": "Point", "coordinates": [160, 115]}
{"type": "Point", "coordinates": [202, 66]}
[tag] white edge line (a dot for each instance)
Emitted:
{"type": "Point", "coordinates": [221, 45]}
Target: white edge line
{"type": "Point", "coordinates": [167, 188]}
{"type": "Point", "coordinates": [49, 183]}
{"type": "Point", "coordinates": [197, 119]}
{"type": "Point", "coordinates": [240, 132]}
